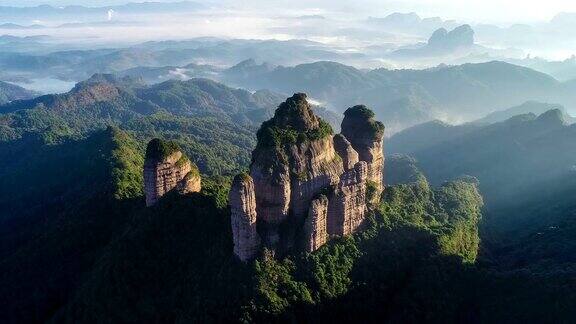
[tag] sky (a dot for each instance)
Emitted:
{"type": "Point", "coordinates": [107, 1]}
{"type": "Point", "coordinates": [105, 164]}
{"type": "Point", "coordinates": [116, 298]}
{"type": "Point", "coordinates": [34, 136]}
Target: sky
{"type": "Point", "coordinates": [489, 11]}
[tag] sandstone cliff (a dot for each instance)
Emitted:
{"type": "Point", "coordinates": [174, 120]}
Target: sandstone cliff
{"type": "Point", "coordinates": [165, 169]}
{"type": "Point", "coordinates": [346, 151]}
{"type": "Point", "coordinates": [293, 161]}
{"type": "Point", "coordinates": [307, 183]}
{"type": "Point", "coordinates": [315, 226]}
{"type": "Point", "coordinates": [348, 201]}
{"type": "Point", "coordinates": [243, 217]}
{"type": "Point", "coordinates": [366, 136]}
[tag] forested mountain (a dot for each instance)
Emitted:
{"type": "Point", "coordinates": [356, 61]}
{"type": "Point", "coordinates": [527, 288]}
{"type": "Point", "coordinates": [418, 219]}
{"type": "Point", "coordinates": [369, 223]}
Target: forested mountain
{"type": "Point", "coordinates": [407, 97]}
{"type": "Point", "coordinates": [402, 97]}
{"type": "Point", "coordinates": [85, 264]}
{"type": "Point", "coordinates": [276, 162]}
{"type": "Point", "coordinates": [534, 107]}
{"type": "Point", "coordinates": [60, 205]}
{"type": "Point", "coordinates": [10, 92]}
{"type": "Point", "coordinates": [218, 136]}
{"type": "Point", "coordinates": [49, 61]}
{"type": "Point", "coordinates": [414, 259]}
{"type": "Point", "coordinates": [525, 169]}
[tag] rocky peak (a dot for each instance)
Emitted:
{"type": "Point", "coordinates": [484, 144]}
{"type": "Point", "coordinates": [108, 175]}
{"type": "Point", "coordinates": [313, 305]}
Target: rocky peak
{"type": "Point", "coordinates": [552, 117]}
{"type": "Point", "coordinates": [243, 217]}
{"type": "Point", "coordinates": [296, 113]}
{"type": "Point", "coordinates": [294, 130]}
{"type": "Point", "coordinates": [366, 136]}
{"type": "Point", "coordinates": [462, 36]}
{"type": "Point", "coordinates": [166, 168]}
{"type": "Point", "coordinates": [305, 183]}
{"type": "Point", "coordinates": [438, 36]}
{"type": "Point", "coordinates": [359, 124]}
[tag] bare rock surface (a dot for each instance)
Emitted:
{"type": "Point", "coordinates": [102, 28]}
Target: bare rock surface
{"type": "Point", "coordinates": [348, 201]}
{"type": "Point", "coordinates": [243, 217]}
{"type": "Point", "coordinates": [315, 226]}
{"type": "Point", "coordinates": [346, 151]}
{"type": "Point", "coordinates": [165, 169]}
{"type": "Point", "coordinates": [367, 137]}
{"type": "Point", "coordinates": [306, 183]}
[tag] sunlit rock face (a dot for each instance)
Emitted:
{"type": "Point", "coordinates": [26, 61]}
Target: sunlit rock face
{"type": "Point", "coordinates": [367, 137]}
{"type": "Point", "coordinates": [294, 160]}
{"type": "Point", "coordinates": [166, 169]}
{"type": "Point", "coordinates": [308, 183]}
{"type": "Point", "coordinates": [347, 206]}
{"type": "Point", "coordinates": [315, 229]}
{"type": "Point", "coordinates": [346, 151]}
{"type": "Point", "coordinates": [243, 218]}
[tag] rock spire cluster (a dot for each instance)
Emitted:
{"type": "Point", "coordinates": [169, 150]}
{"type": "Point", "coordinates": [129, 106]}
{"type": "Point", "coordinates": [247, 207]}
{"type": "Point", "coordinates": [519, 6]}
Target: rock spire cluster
{"type": "Point", "coordinates": [306, 184]}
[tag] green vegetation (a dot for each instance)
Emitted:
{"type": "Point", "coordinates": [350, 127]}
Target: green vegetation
{"type": "Point", "coordinates": [126, 165]}
{"type": "Point", "coordinates": [10, 92]}
{"type": "Point", "coordinates": [414, 260]}
{"type": "Point", "coordinates": [359, 111]}
{"type": "Point", "coordinates": [324, 129]}
{"type": "Point", "coordinates": [371, 190]}
{"type": "Point", "coordinates": [359, 120]}
{"type": "Point", "coordinates": [271, 135]}
{"type": "Point", "coordinates": [211, 139]}
{"type": "Point", "coordinates": [200, 280]}
{"type": "Point", "coordinates": [61, 205]}
{"type": "Point", "coordinates": [159, 150]}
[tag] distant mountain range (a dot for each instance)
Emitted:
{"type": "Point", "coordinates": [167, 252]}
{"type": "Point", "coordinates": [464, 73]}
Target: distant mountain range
{"type": "Point", "coordinates": [411, 23]}
{"type": "Point", "coordinates": [400, 97]}
{"type": "Point", "coordinates": [460, 41]}
{"type": "Point", "coordinates": [406, 97]}
{"type": "Point", "coordinates": [10, 92]}
{"type": "Point", "coordinates": [47, 11]}
{"type": "Point", "coordinates": [514, 160]}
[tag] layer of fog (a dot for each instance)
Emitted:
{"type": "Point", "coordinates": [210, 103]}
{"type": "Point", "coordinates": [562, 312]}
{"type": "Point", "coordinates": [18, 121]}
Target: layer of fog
{"type": "Point", "coordinates": [353, 32]}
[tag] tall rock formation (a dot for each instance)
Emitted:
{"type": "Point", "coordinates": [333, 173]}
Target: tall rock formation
{"type": "Point", "coordinates": [367, 137]}
{"type": "Point", "coordinates": [293, 161]}
{"type": "Point", "coordinates": [315, 228]}
{"type": "Point", "coordinates": [307, 183]}
{"type": "Point", "coordinates": [165, 169]}
{"type": "Point", "coordinates": [243, 217]}
{"type": "Point", "coordinates": [462, 36]}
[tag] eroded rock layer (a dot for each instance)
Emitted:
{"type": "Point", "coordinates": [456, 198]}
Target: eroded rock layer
{"type": "Point", "coordinates": [315, 226]}
{"type": "Point", "coordinates": [346, 151]}
{"type": "Point", "coordinates": [165, 169]}
{"type": "Point", "coordinates": [366, 136]}
{"type": "Point", "coordinates": [347, 206]}
{"type": "Point", "coordinates": [243, 217]}
{"type": "Point", "coordinates": [307, 183]}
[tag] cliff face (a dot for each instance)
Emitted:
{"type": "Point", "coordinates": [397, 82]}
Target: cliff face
{"type": "Point", "coordinates": [308, 183]}
{"type": "Point", "coordinates": [165, 169]}
{"type": "Point", "coordinates": [243, 217]}
{"type": "Point", "coordinates": [348, 202]}
{"type": "Point", "coordinates": [346, 151]}
{"type": "Point", "coordinates": [315, 166]}
{"type": "Point", "coordinates": [294, 160]}
{"type": "Point", "coordinates": [367, 137]}
{"type": "Point", "coordinates": [315, 226]}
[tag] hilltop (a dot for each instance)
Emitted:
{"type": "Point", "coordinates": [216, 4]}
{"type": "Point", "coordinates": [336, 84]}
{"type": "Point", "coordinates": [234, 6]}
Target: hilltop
{"type": "Point", "coordinates": [10, 92]}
